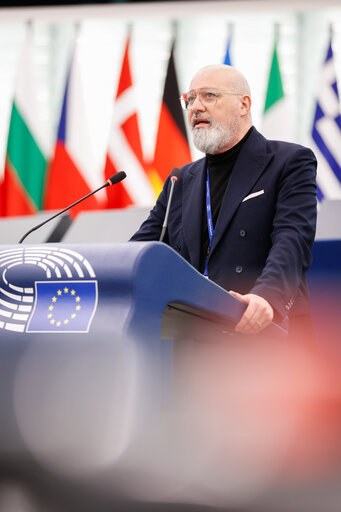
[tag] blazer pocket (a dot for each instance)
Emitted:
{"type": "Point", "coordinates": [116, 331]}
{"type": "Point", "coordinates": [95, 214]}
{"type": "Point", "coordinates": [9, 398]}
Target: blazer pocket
{"type": "Point", "coordinates": [253, 195]}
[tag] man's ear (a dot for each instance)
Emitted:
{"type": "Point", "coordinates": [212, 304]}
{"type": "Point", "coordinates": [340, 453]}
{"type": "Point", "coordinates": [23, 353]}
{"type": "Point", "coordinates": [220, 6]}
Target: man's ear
{"type": "Point", "coordinates": [245, 104]}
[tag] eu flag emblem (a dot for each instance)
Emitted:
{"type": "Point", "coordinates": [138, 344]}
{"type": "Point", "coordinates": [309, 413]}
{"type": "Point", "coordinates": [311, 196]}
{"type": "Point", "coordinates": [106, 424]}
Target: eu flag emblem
{"type": "Point", "coordinates": [63, 306]}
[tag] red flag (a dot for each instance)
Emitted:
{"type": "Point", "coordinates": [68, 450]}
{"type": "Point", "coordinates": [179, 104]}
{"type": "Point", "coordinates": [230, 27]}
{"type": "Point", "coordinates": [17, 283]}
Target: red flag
{"type": "Point", "coordinates": [71, 175]}
{"type": "Point", "coordinates": [125, 150]}
{"type": "Point", "coordinates": [171, 149]}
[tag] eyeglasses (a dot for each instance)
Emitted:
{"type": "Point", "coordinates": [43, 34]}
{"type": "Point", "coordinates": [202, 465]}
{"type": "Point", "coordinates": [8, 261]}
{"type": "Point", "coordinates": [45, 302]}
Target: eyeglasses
{"type": "Point", "coordinates": [207, 97]}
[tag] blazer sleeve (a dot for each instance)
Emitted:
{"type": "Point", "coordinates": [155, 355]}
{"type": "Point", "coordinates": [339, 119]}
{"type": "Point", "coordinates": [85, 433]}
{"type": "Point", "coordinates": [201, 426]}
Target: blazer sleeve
{"type": "Point", "coordinates": [292, 234]}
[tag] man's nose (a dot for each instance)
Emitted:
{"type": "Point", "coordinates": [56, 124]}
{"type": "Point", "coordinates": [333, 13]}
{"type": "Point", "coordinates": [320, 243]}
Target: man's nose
{"type": "Point", "coordinates": [197, 104]}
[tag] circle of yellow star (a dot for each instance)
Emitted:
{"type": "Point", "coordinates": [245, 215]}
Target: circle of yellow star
{"type": "Point", "coordinates": [77, 307]}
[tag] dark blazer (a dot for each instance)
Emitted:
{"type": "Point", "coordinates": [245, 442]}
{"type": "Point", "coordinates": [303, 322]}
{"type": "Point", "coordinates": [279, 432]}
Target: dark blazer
{"type": "Point", "coordinates": [266, 226]}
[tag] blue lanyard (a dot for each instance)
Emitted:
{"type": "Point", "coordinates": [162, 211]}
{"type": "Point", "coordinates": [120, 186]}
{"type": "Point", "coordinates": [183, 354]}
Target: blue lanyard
{"type": "Point", "coordinates": [209, 220]}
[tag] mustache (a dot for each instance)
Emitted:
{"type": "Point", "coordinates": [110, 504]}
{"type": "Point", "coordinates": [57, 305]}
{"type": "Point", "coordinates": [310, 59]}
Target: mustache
{"type": "Point", "coordinates": [198, 115]}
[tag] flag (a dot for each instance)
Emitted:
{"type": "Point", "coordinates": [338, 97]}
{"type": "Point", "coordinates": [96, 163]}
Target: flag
{"type": "Point", "coordinates": [26, 161]}
{"type": "Point", "coordinates": [63, 306]}
{"type": "Point", "coordinates": [326, 132]}
{"type": "Point", "coordinates": [277, 117]}
{"type": "Point", "coordinates": [125, 149]}
{"type": "Point", "coordinates": [171, 148]}
{"type": "Point", "coordinates": [71, 173]}
{"type": "Point", "coordinates": [227, 58]}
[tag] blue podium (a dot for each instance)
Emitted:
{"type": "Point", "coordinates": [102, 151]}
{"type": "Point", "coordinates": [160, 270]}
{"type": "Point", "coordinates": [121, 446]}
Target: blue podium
{"type": "Point", "coordinates": [89, 339]}
{"type": "Point", "coordinates": [140, 290]}
{"type": "Point", "coordinates": [324, 280]}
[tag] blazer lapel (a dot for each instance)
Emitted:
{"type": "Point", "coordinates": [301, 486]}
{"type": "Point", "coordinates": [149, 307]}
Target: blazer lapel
{"type": "Point", "coordinates": [193, 195]}
{"type": "Point", "coordinates": [250, 164]}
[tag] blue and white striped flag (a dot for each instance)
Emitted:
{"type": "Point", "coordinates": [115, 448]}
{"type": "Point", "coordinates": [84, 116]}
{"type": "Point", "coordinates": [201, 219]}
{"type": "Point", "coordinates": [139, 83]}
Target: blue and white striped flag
{"type": "Point", "coordinates": [326, 132]}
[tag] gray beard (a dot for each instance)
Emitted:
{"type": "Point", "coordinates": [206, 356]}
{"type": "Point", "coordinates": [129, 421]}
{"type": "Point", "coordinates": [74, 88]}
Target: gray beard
{"type": "Point", "coordinates": [211, 139]}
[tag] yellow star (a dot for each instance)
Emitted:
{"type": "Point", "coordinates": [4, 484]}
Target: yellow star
{"type": "Point", "coordinates": [78, 298]}
{"type": "Point", "coordinates": [52, 321]}
{"type": "Point", "coordinates": [50, 308]}
{"type": "Point", "coordinates": [59, 292]}
{"type": "Point", "coordinates": [58, 323]}
{"type": "Point", "coordinates": [73, 315]}
{"type": "Point", "coordinates": [66, 290]}
{"type": "Point", "coordinates": [66, 321]}
{"type": "Point", "coordinates": [73, 292]}
{"type": "Point", "coordinates": [78, 308]}
{"type": "Point", "coordinates": [49, 315]}
{"type": "Point", "coordinates": [54, 299]}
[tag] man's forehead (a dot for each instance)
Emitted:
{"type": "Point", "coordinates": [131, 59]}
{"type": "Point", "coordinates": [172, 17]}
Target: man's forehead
{"type": "Point", "coordinates": [210, 79]}
{"type": "Point", "coordinates": [203, 89]}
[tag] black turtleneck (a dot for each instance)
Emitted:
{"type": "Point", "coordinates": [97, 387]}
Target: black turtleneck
{"type": "Point", "coordinates": [220, 167]}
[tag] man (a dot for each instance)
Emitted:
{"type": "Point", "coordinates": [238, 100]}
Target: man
{"type": "Point", "coordinates": [245, 214]}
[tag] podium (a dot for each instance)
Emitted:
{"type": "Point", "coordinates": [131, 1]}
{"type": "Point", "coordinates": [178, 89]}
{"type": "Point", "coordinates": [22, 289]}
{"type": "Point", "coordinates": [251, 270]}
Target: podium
{"type": "Point", "coordinates": [140, 290]}
{"type": "Point", "coordinates": [324, 280]}
{"type": "Point", "coordinates": [88, 342]}
{"type": "Point", "coordinates": [123, 299]}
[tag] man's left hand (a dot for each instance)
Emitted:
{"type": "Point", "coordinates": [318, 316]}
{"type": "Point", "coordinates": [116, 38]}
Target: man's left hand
{"type": "Point", "coordinates": [257, 315]}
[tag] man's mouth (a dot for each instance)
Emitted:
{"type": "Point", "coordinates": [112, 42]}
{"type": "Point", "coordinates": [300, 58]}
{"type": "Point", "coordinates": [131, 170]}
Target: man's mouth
{"type": "Point", "coordinates": [200, 122]}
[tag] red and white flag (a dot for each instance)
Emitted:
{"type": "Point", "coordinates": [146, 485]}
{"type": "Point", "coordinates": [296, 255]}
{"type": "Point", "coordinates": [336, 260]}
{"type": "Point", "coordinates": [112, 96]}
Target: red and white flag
{"type": "Point", "coordinates": [72, 174]}
{"type": "Point", "coordinates": [125, 150]}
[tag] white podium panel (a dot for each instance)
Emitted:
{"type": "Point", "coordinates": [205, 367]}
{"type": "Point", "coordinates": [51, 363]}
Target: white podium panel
{"type": "Point", "coordinates": [13, 228]}
{"type": "Point", "coordinates": [328, 225]}
{"type": "Point", "coordinates": [116, 225]}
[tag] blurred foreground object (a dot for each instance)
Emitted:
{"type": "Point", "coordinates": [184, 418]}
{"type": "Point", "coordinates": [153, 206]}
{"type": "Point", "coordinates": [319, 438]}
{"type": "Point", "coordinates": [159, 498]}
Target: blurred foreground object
{"type": "Point", "coordinates": [112, 417]}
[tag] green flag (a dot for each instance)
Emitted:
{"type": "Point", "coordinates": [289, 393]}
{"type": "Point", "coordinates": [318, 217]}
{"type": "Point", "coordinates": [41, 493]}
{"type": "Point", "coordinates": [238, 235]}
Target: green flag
{"type": "Point", "coordinates": [275, 87]}
{"type": "Point", "coordinates": [277, 119]}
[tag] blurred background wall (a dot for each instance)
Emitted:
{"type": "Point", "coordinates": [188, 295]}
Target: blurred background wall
{"type": "Point", "coordinates": [202, 30]}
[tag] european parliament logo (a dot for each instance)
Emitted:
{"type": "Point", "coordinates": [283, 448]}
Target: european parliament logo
{"type": "Point", "coordinates": [63, 306]}
{"type": "Point", "coordinates": [46, 289]}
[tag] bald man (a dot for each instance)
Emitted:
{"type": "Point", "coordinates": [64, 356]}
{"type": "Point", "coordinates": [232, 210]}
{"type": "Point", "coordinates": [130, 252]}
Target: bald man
{"type": "Point", "coordinates": [245, 214]}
